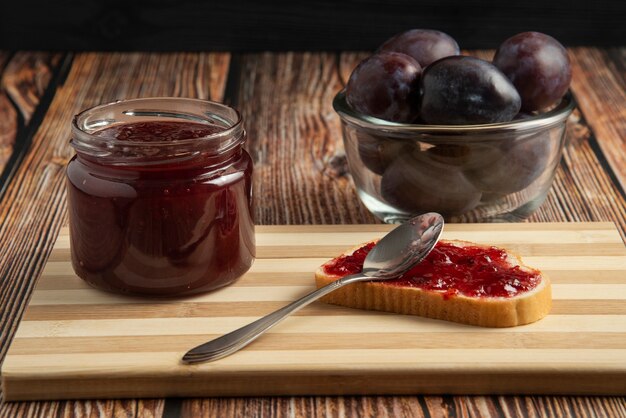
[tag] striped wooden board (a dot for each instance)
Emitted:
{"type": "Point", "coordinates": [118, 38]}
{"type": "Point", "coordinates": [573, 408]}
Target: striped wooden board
{"type": "Point", "coordinates": [78, 342]}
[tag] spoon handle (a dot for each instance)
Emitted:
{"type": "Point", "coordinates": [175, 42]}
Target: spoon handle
{"type": "Point", "coordinates": [234, 341]}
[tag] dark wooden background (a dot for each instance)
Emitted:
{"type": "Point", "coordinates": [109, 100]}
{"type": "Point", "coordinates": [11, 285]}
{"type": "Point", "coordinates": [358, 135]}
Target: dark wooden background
{"type": "Point", "coordinates": [300, 177]}
{"type": "Point", "coordinates": [280, 25]}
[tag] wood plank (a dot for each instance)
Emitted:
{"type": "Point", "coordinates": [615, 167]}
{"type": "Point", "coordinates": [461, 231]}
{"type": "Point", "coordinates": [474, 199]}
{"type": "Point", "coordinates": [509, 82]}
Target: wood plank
{"type": "Point", "coordinates": [400, 361]}
{"type": "Point", "coordinates": [358, 323]}
{"type": "Point", "coordinates": [597, 231]}
{"type": "Point", "coordinates": [329, 251]}
{"type": "Point", "coordinates": [257, 309]}
{"type": "Point", "coordinates": [410, 406]}
{"type": "Point", "coordinates": [309, 265]}
{"type": "Point", "coordinates": [288, 293]}
{"type": "Point", "coordinates": [601, 93]}
{"type": "Point", "coordinates": [24, 77]}
{"type": "Point", "coordinates": [319, 250]}
{"type": "Point", "coordinates": [229, 378]}
{"type": "Point", "coordinates": [315, 242]}
{"type": "Point", "coordinates": [562, 406]}
{"type": "Point", "coordinates": [297, 151]}
{"type": "Point", "coordinates": [51, 282]}
{"type": "Point", "coordinates": [149, 408]}
{"type": "Point", "coordinates": [8, 116]}
{"type": "Point", "coordinates": [321, 341]}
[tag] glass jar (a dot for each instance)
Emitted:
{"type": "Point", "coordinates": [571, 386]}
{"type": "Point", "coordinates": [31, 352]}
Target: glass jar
{"type": "Point", "coordinates": [160, 197]}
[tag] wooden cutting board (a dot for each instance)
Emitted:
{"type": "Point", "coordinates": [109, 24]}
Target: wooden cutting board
{"type": "Point", "coordinates": [78, 342]}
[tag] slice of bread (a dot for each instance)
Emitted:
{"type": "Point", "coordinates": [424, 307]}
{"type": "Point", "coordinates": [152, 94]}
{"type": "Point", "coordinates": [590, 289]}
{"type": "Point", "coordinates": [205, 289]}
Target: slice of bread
{"type": "Point", "coordinates": [523, 308]}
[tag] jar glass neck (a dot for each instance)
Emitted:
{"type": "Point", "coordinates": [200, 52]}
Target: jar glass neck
{"type": "Point", "coordinates": [217, 145]}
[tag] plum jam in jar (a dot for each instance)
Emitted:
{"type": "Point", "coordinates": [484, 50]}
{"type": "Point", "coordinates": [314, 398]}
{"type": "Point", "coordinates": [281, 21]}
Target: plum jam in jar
{"type": "Point", "coordinates": [160, 197]}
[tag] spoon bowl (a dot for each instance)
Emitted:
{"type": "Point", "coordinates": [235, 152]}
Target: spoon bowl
{"type": "Point", "coordinates": [397, 252]}
{"type": "Point", "coordinates": [403, 247]}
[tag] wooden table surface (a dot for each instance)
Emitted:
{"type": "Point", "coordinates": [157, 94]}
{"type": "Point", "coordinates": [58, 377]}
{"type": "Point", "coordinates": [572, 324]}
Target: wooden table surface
{"type": "Point", "coordinates": [301, 178]}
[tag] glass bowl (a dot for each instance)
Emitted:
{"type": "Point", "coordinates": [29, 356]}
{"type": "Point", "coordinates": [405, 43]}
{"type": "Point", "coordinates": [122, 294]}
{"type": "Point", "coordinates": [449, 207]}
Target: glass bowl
{"type": "Point", "coordinates": [469, 173]}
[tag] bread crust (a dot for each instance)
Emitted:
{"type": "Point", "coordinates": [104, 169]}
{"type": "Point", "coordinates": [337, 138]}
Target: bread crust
{"type": "Point", "coordinates": [522, 309]}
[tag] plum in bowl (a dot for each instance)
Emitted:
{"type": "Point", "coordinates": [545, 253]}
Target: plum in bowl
{"type": "Point", "coordinates": [486, 172]}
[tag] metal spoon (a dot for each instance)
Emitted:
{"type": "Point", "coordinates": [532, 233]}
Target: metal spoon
{"type": "Point", "coordinates": [396, 253]}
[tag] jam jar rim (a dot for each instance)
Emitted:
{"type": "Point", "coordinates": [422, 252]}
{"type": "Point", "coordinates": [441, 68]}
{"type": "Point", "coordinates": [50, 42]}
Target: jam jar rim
{"type": "Point", "coordinates": [218, 143]}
